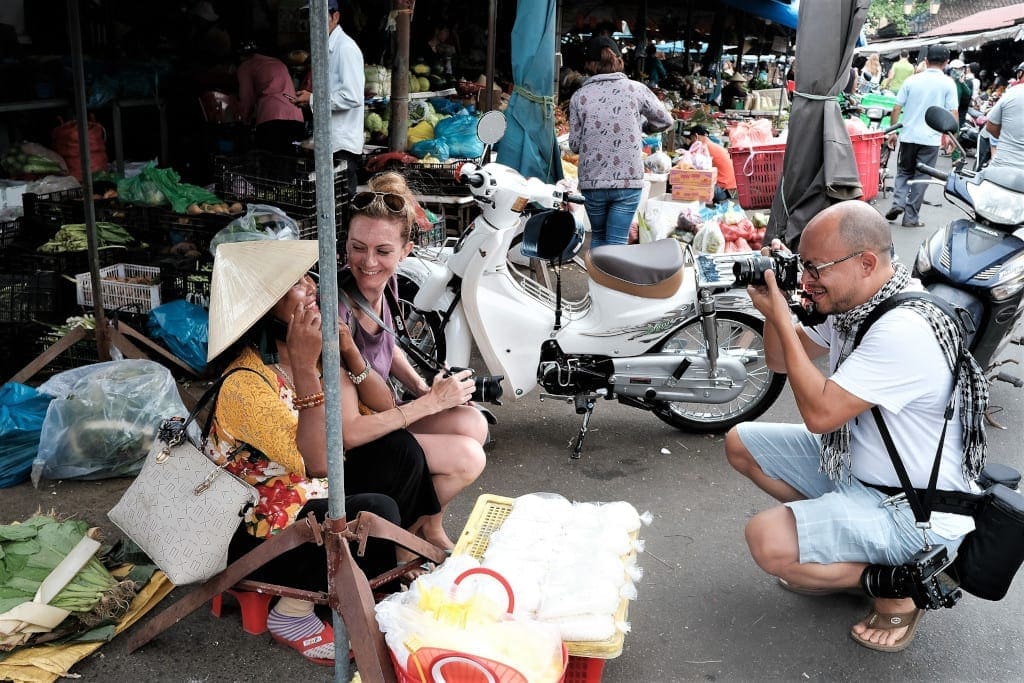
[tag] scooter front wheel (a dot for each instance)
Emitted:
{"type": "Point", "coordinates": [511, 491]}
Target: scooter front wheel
{"type": "Point", "coordinates": [424, 327]}
{"type": "Point", "coordinates": [739, 336]}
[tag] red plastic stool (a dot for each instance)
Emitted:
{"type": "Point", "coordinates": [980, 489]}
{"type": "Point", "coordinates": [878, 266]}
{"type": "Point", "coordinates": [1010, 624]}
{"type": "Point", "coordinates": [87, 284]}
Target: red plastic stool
{"type": "Point", "coordinates": [254, 607]}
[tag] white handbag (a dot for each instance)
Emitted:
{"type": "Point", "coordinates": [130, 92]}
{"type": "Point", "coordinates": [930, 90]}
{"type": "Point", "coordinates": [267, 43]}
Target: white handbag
{"type": "Point", "coordinates": [182, 509]}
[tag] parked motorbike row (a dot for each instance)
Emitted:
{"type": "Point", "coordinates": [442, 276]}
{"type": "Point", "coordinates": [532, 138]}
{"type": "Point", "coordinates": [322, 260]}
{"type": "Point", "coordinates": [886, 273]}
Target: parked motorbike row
{"type": "Point", "coordinates": [659, 327]}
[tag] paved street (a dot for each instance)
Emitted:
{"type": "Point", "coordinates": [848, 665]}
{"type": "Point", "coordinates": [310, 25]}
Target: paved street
{"type": "Point", "coordinates": [705, 611]}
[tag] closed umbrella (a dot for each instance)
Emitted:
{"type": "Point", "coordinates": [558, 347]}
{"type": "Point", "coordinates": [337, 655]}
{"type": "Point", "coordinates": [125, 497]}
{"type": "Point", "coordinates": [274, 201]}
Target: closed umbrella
{"type": "Point", "coordinates": [819, 168]}
{"type": "Point", "coordinates": [529, 144]}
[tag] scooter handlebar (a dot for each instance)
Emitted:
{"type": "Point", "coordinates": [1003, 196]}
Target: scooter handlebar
{"type": "Point", "coordinates": [573, 198]}
{"type": "Point", "coordinates": [933, 172]}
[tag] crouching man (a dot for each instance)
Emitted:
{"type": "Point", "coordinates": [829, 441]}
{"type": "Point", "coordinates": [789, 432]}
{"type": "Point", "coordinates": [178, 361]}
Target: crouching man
{"type": "Point", "coordinates": [834, 525]}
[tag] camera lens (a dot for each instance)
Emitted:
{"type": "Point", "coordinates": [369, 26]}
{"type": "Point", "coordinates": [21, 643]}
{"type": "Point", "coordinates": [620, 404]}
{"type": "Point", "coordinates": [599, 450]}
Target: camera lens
{"type": "Point", "coordinates": [751, 270]}
{"type": "Point", "coordinates": [487, 389]}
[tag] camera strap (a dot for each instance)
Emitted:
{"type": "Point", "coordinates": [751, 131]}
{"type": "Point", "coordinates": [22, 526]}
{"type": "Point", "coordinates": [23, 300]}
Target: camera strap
{"type": "Point", "coordinates": [921, 502]}
{"type": "Point", "coordinates": [353, 297]}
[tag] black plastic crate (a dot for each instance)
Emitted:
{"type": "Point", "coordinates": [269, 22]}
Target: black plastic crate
{"type": "Point", "coordinates": [10, 233]}
{"type": "Point", "coordinates": [170, 230]}
{"type": "Point", "coordinates": [16, 347]}
{"type": "Point", "coordinates": [191, 285]}
{"type": "Point", "coordinates": [70, 263]}
{"type": "Point", "coordinates": [437, 179]}
{"type": "Point", "coordinates": [287, 182]}
{"type": "Point", "coordinates": [25, 297]}
{"type": "Point", "coordinates": [432, 237]}
{"type": "Point", "coordinates": [80, 353]}
{"type": "Point", "coordinates": [52, 210]}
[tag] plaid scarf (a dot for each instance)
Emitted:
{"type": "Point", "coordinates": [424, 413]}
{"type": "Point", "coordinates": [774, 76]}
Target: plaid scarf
{"type": "Point", "coordinates": [971, 386]}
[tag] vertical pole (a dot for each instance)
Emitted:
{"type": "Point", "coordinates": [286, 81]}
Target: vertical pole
{"type": "Point", "coordinates": [492, 21]}
{"type": "Point", "coordinates": [328, 239]}
{"type": "Point", "coordinates": [398, 129]}
{"type": "Point", "coordinates": [75, 33]}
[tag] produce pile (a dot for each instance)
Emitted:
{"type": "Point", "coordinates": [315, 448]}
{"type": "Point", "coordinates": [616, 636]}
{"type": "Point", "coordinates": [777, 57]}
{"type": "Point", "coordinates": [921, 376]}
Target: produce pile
{"type": "Point", "coordinates": [74, 237]}
{"type": "Point", "coordinates": [33, 570]}
{"type": "Point", "coordinates": [28, 159]}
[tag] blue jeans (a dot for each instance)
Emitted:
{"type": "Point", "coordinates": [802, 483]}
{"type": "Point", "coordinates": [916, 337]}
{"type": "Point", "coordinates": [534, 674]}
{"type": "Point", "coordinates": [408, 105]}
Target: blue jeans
{"type": "Point", "coordinates": [610, 212]}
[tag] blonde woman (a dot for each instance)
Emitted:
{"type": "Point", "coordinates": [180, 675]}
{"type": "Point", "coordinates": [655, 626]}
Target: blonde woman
{"type": "Point", "coordinates": [871, 75]}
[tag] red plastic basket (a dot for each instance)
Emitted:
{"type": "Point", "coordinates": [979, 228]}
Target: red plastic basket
{"type": "Point", "coordinates": [758, 171]}
{"type": "Point", "coordinates": [584, 670]}
{"type": "Point", "coordinates": [867, 150]}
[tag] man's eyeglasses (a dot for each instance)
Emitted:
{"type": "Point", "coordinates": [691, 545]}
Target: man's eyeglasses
{"type": "Point", "coordinates": [361, 201]}
{"type": "Point", "coordinates": [815, 270]}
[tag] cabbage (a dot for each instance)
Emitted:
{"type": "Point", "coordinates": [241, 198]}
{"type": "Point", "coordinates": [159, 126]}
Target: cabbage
{"type": "Point", "coordinates": [374, 123]}
{"type": "Point", "coordinates": [420, 110]}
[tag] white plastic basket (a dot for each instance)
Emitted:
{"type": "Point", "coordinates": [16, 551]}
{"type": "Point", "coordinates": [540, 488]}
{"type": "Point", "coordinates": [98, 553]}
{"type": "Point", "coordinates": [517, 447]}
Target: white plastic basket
{"type": "Point", "coordinates": [128, 296]}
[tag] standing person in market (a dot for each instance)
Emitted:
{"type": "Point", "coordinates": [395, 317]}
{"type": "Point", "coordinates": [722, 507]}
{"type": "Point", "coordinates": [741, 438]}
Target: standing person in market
{"type": "Point", "coordinates": [918, 142]}
{"type": "Point", "coordinates": [899, 72]}
{"type": "Point", "coordinates": [725, 187]}
{"type": "Point", "coordinates": [735, 89]}
{"type": "Point", "coordinates": [608, 118]}
{"type": "Point", "coordinates": [266, 98]}
{"type": "Point", "coordinates": [1006, 125]}
{"type": "Point", "coordinates": [834, 531]}
{"type": "Point", "coordinates": [346, 82]}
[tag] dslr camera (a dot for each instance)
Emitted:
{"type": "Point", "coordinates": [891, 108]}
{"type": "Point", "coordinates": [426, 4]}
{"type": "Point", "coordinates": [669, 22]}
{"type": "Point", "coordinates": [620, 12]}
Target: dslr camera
{"type": "Point", "coordinates": [928, 578]}
{"type": "Point", "coordinates": [751, 270]}
{"type": "Point", "coordinates": [487, 389]}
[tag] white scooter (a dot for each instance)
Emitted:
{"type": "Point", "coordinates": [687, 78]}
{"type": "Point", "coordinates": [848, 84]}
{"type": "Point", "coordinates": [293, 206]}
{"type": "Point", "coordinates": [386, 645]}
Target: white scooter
{"type": "Point", "coordinates": [657, 330]}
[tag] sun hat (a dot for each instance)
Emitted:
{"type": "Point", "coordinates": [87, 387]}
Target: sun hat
{"type": "Point", "coordinates": [738, 78]}
{"type": "Point", "coordinates": [956, 64]}
{"type": "Point", "coordinates": [597, 44]}
{"type": "Point", "coordinates": [248, 279]}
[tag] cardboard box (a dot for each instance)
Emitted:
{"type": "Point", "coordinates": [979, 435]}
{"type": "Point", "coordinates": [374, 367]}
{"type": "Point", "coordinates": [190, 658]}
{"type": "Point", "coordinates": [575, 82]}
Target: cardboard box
{"type": "Point", "coordinates": [691, 185]}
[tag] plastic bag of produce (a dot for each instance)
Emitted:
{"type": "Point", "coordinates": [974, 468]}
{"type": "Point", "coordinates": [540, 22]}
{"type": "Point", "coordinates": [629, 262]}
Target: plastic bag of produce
{"type": "Point", "coordinates": [709, 238]}
{"type": "Point", "coordinates": [152, 183]}
{"type": "Point", "coordinates": [184, 328]}
{"type": "Point", "coordinates": [459, 132]}
{"type": "Point", "coordinates": [260, 222]}
{"type": "Point", "coordinates": [103, 419]}
{"type": "Point", "coordinates": [436, 148]}
{"type": "Point", "coordinates": [22, 410]}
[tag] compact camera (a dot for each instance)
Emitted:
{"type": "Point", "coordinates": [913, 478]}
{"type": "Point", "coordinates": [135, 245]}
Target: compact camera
{"type": "Point", "coordinates": [751, 270]}
{"type": "Point", "coordinates": [928, 578]}
{"type": "Point", "coordinates": [487, 389]}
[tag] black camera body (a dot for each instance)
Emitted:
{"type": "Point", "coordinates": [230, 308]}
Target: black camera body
{"type": "Point", "coordinates": [487, 389]}
{"type": "Point", "coordinates": [751, 270]}
{"type": "Point", "coordinates": [928, 578]}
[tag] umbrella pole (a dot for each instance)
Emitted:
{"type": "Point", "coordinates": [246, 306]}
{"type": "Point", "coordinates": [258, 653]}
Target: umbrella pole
{"type": "Point", "coordinates": [398, 131]}
{"type": "Point", "coordinates": [492, 20]}
{"type": "Point", "coordinates": [75, 33]}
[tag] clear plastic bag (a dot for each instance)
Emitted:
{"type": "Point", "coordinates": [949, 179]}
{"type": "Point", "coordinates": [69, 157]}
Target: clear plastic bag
{"type": "Point", "coordinates": [260, 222]}
{"type": "Point", "coordinates": [103, 419]}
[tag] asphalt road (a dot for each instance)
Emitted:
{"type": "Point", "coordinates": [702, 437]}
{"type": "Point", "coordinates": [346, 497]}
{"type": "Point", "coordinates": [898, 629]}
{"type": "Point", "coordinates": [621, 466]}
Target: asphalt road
{"type": "Point", "coordinates": [705, 612]}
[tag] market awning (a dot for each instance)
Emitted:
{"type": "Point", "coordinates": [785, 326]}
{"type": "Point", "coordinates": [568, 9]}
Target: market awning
{"type": "Point", "coordinates": [783, 13]}
{"type": "Point", "coordinates": [987, 20]}
{"type": "Point", "coordinates": [956, 43]}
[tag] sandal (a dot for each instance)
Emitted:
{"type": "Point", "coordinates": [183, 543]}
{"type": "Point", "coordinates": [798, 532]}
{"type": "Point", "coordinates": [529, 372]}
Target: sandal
{"type": "Point", "coordinates": [313, 648]}
{"type": "Point", "coordinates": [807, 590]}
{"type": "Point", "coordinates": [888, 622]}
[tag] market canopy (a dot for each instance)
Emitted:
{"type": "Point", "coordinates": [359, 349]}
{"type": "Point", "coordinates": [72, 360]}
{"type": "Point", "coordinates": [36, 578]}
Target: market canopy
{"type": "Point", "coordinates": [529, 145]}
{"type": "Point", "coordinates": [819, 167]}
{"type": "Point", "coordinates": [778, 11]}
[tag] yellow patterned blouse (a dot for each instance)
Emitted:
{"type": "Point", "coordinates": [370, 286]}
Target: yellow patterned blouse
{"type": "Point", "coordinates": [254, 431]}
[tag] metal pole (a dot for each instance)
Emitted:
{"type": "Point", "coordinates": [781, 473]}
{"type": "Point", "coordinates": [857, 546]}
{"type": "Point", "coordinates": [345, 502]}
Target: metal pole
{"type": "Point", "coordinates": [331, 354]}
{"type": "Point", "coordinates": [398, 131]}
{"type": "Point", "coordinates": [75, 33]}
{"type": "Point", "coordinates": [492, 21]}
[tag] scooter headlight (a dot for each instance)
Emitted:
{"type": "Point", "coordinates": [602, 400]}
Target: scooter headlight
{"type": "Point", "coordinates": [1010, 279]}
{"type": "Point", "coordinates": [997, 204]}
{"type": "Point", "coordinates": [923, 263]}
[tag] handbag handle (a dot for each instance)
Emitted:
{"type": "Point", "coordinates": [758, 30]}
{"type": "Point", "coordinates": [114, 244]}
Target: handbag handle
{"type": "Point", "coordinates": [180, 430]}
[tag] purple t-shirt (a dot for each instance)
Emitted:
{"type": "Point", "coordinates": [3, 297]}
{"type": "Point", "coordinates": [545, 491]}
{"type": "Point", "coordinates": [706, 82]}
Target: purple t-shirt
{"type": "Point", "coordinates": [378, 349]}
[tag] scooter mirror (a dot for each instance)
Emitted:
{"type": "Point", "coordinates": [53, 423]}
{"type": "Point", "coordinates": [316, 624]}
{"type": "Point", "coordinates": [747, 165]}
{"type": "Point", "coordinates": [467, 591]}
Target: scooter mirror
{"type": "Point", "coordinates": [941, 120]}
{"type": "Point", "coordinates": [491, 127]}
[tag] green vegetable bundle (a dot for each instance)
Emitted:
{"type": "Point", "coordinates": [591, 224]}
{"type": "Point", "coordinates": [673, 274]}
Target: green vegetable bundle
{"type": "Point", "coordinates": [30, 551]}
{"type": "Point", "coordinates": [74, 237]}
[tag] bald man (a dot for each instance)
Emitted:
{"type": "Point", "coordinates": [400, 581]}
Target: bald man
{"type": "Point", "coordinates": [832, 526]}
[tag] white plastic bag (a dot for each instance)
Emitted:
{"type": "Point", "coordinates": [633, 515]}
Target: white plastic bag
{"type": "Point", "coordinates": [709, 238]}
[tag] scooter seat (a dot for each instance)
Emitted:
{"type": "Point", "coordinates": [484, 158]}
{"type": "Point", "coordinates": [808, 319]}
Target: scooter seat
{"type": "Point", "coordinates": [653, 270]}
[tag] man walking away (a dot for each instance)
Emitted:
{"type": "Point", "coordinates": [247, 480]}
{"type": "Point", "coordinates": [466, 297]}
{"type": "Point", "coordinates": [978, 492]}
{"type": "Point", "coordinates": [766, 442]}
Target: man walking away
{"type": "Point", "coordinates": [918, 142]}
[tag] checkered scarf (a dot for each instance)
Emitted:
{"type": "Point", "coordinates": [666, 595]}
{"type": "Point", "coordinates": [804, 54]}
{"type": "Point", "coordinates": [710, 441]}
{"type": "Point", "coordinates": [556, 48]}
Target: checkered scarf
{"type": "Point", "coordinates": [971, 386]}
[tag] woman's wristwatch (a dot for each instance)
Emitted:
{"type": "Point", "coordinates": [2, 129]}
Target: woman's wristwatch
{"type": "Point", "coordinates": [358, 379]}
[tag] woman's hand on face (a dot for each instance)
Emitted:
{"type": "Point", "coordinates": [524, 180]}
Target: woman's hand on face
{"type": "Point", "coordinates": [452, 390]}
{"type": "Point", "coordinates": [305, 340]}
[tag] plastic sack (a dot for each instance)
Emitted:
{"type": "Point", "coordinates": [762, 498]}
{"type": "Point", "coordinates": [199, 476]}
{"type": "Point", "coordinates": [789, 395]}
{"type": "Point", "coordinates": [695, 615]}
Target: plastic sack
{"type": "Point", "coordinates": [700, 157]}
{"type": "Point", "coordinates": [22, 411]}
{"type": "Point", "coordinates": [103, 419]}
{"type": "Point", "coordinates": [854, 126]}
{"type": "Point", "coordinates": [709, 238]}
{"type": "Point", "coordinates": [53, 183]}
{"type": "Point", "coordinates": [424, 130]}
{"type": "Point", "coordinates": [659, 162]}
{"type": "Point", "coordinates": [141, 189]}
{"type": "Point", "coordinates": [184, 328]}
{"type": "Point", "coordinates": [65, 143]}
{"type": "Point", "coordinates": [460, 133]}
{"type": "Point", "coordinates": [260, 222]}
{"type": "Point", "coordinates": [436, 148]}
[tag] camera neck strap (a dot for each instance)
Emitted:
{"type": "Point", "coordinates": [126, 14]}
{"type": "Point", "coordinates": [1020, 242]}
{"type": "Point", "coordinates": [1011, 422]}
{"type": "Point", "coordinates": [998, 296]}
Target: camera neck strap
{"type": "Point", "coordinates": [920, 504]}
{"type": "Point", "coordinates": [353, 297]}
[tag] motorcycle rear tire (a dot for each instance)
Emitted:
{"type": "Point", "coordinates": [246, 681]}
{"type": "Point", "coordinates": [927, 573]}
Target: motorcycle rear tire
{"type": "Point", "coordinates": [424, 327]}
{"type": "Point", "coordinates": [734, 333]}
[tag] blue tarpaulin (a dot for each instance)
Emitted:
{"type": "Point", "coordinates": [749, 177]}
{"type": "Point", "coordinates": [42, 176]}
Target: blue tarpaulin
{"type": "Point", "coordinates": [780, 12]}
{"type": "Point", "coordinates": [529, 144]}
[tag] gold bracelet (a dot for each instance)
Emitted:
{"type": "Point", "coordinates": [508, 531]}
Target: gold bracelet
{"type": "Point", "coordinates": [405, 418]}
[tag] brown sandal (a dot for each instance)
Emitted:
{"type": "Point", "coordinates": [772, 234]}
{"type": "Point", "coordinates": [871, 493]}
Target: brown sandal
{"type": "Point", "coordinates": [888, 622]}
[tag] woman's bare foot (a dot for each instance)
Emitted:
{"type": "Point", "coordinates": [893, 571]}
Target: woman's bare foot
{"type": "Point", "coordinates": [440, 539]}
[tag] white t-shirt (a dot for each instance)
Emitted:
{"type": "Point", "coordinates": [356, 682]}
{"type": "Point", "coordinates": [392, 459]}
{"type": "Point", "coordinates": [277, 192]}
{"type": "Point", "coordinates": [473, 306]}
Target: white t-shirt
{"type": "Point", "coordinates": [899, 367]}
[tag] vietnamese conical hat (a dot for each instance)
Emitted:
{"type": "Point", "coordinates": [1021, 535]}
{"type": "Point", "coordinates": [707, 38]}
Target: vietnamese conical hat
{"type": "Point", "coordinates": [248, 279]}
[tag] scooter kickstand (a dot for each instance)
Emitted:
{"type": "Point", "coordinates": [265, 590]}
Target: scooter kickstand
{"type": "Point", "coordinates": [584, 406]}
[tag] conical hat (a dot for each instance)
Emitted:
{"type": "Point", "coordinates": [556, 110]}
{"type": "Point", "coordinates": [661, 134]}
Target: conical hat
{"type": "Point", "coordinates": [248, 279]}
